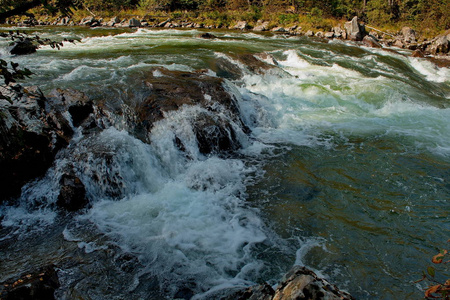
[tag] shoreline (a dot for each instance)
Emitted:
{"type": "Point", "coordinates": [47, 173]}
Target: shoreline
{"type": "Point", "coordinates": [436, 50]}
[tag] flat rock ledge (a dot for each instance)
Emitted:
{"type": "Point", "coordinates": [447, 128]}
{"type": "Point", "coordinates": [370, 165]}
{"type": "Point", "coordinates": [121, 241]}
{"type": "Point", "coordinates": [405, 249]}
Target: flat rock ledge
{"type": "Point", "coordinates": [299, 283]}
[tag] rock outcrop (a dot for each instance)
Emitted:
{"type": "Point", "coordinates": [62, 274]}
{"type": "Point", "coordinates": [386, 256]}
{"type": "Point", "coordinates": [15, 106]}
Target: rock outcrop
{"type": "Point", "coordinates": [302, 283]}
{"type": "Point", "coordinates": [440, 44]}
{"type": "Point", "coordinates": [354, 30]}
{"type": "Point", "coordinates": [23, 47]}
{"type": "Point", "coordinates": [31, 133]}
{"type": "Point", "coordinates": [299, 283]}
{"type": "Point", "coordinates": [170, 90]}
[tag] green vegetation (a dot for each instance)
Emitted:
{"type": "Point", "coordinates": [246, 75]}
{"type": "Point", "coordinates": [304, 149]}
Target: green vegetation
{"type": "Point", "coordinates": [428, 16]}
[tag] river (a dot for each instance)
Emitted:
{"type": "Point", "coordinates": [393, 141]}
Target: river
{"type": "Point", "coordinates": [346, 170]}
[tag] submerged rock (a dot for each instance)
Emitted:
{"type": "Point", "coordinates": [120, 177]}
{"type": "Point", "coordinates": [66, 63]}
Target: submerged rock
{"type": "Point", "coordinates": [207, 35]}
{"type": "Point", "coordinates": [36, 285]}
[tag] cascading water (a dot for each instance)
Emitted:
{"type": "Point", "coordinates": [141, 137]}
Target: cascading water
{"type": "Point", "coordinates": [345, 169]}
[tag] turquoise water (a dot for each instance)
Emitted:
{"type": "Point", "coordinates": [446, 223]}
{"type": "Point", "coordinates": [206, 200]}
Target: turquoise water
{"type": "Point", "coordinates": [346, 170]}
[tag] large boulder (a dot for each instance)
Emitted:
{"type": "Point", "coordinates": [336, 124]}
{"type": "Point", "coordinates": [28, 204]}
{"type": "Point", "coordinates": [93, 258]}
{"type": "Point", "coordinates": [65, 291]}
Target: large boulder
{"type": "Point", "coordinates": [25, 46]}
{"type": "Point", "coordinates": [170, 90]}
{"type": "Point", "coordinates": [355, 31]}
{"type": "Point", "coordinates": [32, 131]}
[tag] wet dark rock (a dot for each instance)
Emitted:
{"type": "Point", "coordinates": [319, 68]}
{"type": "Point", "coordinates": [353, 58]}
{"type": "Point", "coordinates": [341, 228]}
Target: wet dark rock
{"type": "Point", "coordinates": [23, 47]}
{"type": "Point", "coordinates": [228, 69]}
{"type": "Point", "coordinates": [215, 135]}
{"type": "Point", "coordinates": [80, 112]}
{"type": "Point", "coordinates": [225, 69]}
{"type": "Point", "coordinates": [81, 109]}
{"type": "Point", "coordinates": [184, 293]}
{"type": "Point", "coordinates": [207, 35]}
{"type": "Point", "coordinates": [32, 131]}
{"type": "Point", "coordinates": [36, 285]}
{"type": "Point", "coordinates": [170, 90]}
{"type": "Point", "coordinates": [72, 194]}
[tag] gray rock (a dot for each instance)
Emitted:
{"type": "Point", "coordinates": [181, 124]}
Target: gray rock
{"type": "Point", "coordinates": [399, 43]}
{"type": "Point", "coordinates": [134, 23]}
{"type": "Point", "coordinates": [355, 31]}
{"type": "Point", "coordinates": [319, 34]}
{"type": "Point", "coordinates": [88, 21]}
{"type": "Point", "coordinates": [329, 35]}
{"type": "Point", "coordinates": [261, 26]}
{"type": "Point", "coordinates": [409, 35]}
{"type": "Point", "coordinates": [339, 32]}
{"type": "Point", "coordinates": [309, 33]}
{"type": "Point", "coordinates": [163, 24]}
{"type": "Point", "coordinates": [64, 21]}
{"type": "Point", "coordinates": [241, 25]}
{"type": "Point", "coordinates": [440, 45]}
{"type": "Point", "coordinates": [278, 29]}
{"type": "Point", "coordinates": [371, 41]}
{"type": "Point", "coordinates": [302, 283]}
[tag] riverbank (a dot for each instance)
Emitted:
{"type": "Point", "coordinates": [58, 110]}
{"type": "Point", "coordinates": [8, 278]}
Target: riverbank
{"type": "Point", "coordinates": [436, 48]}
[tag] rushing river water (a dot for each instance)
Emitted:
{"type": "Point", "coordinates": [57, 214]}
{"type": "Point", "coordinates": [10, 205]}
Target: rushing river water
{"type": "Point", "coordinates": [346, 171]}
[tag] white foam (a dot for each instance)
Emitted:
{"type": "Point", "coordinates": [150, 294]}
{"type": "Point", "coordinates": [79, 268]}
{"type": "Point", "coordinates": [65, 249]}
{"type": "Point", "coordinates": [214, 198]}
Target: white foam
{"type": "Point", "coordinates": [430, 70]}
